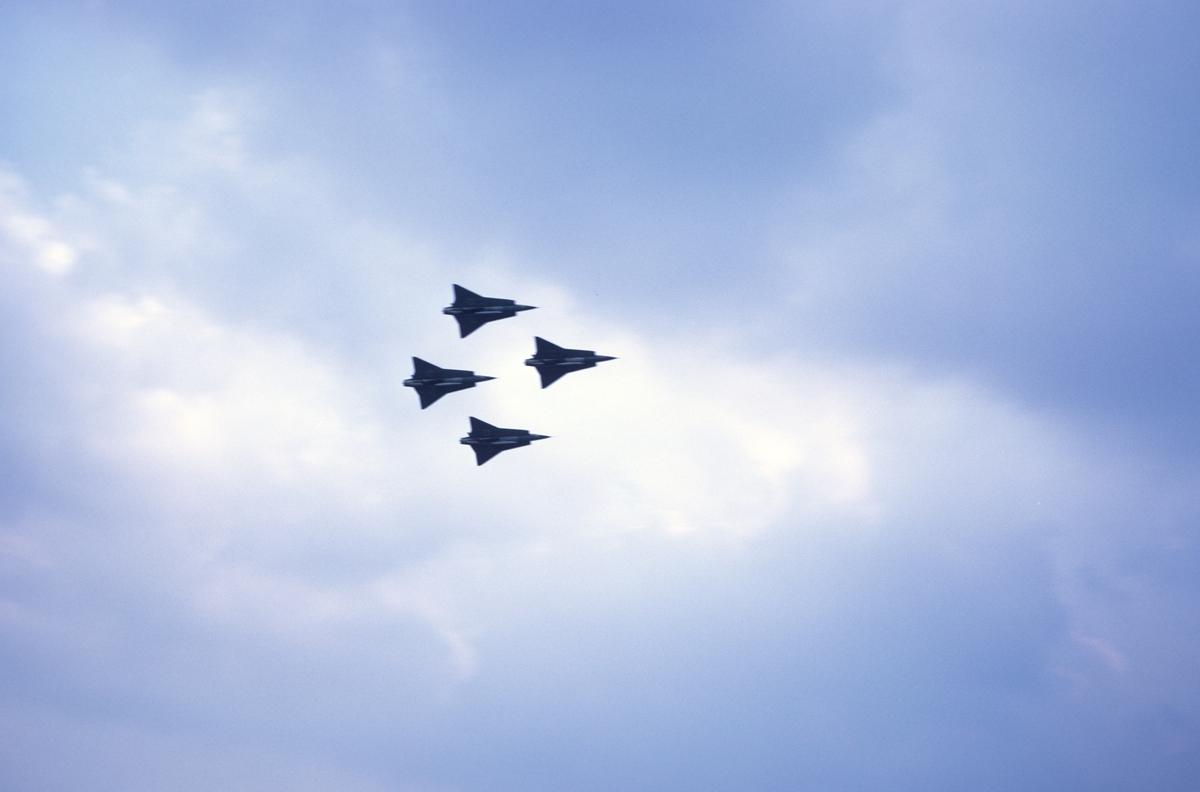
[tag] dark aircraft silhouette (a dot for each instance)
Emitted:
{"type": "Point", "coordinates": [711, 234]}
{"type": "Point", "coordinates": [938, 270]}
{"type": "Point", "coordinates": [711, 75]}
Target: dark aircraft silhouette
{"type": "Point", "coordinates": [432, 383]}
{"type": "Point", "coordinates": [552, 361]}
{"type": "Point", "coordinates": [473, 311]}
{"type": "Point", "coordinates": [488, 440]}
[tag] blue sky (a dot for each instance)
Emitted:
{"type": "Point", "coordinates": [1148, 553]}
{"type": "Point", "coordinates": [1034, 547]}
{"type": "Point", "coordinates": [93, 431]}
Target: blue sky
{"type": "Point", "coordinates": [893, 486]}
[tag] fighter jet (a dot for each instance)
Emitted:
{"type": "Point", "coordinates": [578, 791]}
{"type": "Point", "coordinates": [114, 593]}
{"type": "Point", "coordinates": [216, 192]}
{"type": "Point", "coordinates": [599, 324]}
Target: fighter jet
{"type": "Point", "coordinates": [552, 361]}
{"type": "Point", "coordinates": [473, 311]}
{"type": "Point", "coordinates": [488, 440]}
{"type": "Point", "coordinates": [432, 383]}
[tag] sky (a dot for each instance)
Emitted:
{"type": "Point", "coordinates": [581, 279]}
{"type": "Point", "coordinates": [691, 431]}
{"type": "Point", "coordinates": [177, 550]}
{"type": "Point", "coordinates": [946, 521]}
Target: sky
{"type": "Point", "coordinates": [894, 484]}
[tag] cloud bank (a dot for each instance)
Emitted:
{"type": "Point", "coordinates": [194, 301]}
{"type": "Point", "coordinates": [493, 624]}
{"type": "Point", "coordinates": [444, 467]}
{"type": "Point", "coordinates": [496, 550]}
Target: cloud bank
{"type": "Point", "coordinates": [821, 525]}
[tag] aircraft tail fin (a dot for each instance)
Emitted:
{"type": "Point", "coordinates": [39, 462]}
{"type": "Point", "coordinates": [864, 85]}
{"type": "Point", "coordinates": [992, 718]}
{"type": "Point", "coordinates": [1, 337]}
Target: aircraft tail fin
{"type": "Point", "coordinates": [547, 349]}
{"type": "Point", "coordinates": [465, 298]}
{"type": "Point", "coordinates": [483, 428]}
{"type": "Point", "coordinates": [423, 368]}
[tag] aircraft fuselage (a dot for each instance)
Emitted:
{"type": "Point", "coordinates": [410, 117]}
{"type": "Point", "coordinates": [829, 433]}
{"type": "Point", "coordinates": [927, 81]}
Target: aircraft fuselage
{"type": "Point", "coordinates": [568, 361]}
{"type": "Point", "coordinates": [495, 310]}
{"type": "Point", "coordinates": [444, 382]}
{"type": "Point", "coordinates": [487, 441]}
{"type": "Point", "coordinates": [525, 439]}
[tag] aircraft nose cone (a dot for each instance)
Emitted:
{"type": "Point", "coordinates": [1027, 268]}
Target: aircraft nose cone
{"type": "Point", "coordinates": [539, 437]}
{"type": "Point", "coordinates": [485, 379]}
{"type": "Point", "coordinates": [602, 358]}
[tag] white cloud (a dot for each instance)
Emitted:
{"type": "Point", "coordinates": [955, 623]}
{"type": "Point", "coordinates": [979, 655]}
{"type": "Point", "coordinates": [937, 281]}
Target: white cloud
{"type": "Point", "coordinates": [31, 236]}
{"type": "Point", "coordinates": [261, 485]}
{"type": "Point", "coordinates": [250, 439]}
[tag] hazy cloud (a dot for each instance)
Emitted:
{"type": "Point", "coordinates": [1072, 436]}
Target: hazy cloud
{"type": "Point", "coordinates": [827, 522]}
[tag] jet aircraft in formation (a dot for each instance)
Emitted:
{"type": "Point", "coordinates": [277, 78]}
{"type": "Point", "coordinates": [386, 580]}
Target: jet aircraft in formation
{"type": "Point", "coordinates": [432, 382]}
{"type": "Point", "coordinates": [488, 440]}
{"type": "Point", "coordinates": [472, 311]}
{"type": "Point", "coordinates": [553, 361]}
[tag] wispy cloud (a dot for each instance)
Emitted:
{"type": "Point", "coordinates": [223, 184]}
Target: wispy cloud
{"type": "Point", "coordinates": [745, 558]}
